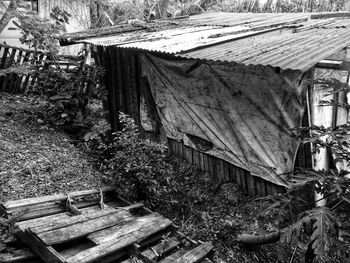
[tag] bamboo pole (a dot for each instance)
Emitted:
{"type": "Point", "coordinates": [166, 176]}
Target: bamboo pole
{"type": "Point", "coordinates": [321, 116]}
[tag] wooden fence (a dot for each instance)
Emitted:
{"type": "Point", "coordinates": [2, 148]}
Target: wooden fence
{"type": "Point", "coordinates": [17, 83]}
{"type": "Point", "coordinates": [222, 171]}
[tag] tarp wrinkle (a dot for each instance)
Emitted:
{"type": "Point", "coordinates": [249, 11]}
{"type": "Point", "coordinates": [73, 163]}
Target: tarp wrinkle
{"type": "Point", "coordinates": [247, 112]}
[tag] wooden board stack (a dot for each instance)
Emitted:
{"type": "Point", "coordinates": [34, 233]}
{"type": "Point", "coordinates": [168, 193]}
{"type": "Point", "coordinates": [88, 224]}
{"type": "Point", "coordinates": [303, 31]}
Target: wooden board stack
{"type": "Point", "coordinates": [120, 232]}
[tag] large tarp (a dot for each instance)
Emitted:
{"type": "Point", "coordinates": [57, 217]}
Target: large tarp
{"type": "Point", "coordinates": [248, 113]}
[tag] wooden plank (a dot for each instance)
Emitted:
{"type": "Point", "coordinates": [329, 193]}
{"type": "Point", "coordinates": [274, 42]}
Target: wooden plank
{"type": "Point", "coordinates": [77, 248]}
{"type": "Point", "coordinates": [248, 179]}
{"type": "Point", "coordinates": [48, 254]}
{"type": "Point", "coordinates": [268, 189]}
{"type": "Point", "coordinates": [263, 187]}
{"type": "Point", "coordinates": [188, 154]}
{"type": "Point", "coordinates": [16, 255]}
{"type": "Point", "coordinates": [71, 232]}
{"type": "Point", "coordinates": [174, 256]}
{"type": "Point", "coordinates": [9, 62]}
{"type": "Point", "coordinates": [226, 171]}
{"type": "Point", "coordinates": [71, 220]}
{"type": "Point", "coordinates": [194, 255]}
{"type": "Point", "coordinates": [195, 159]}
{"type": "Point", "coordinates": [55, 209]}
{"type": "Point", "coordinates": [161, 249]}
{"type": "Point", "coordinates": [171, 146]}
{"type": "Point", "coordinates": [61, 216]}
{"type": "Point", "coordinates": [206, 163]}
{"type": "Point", "coordinates": [24, 80]}
{"type": "Point", "coordinates": [330, 15]}
{"type": "Point", "coordinates": [238, 176]}
{"type": "Point", "coordinates": [181, 149]}
{"type": "Point", "coordinates": [110, 233]}
{"type": "Point", "coordinates": [16, 78]}
{"type": "Point", "coordinates": [126, 236]}
{"type": "Point", "coordinates": [4, 58]}
{"type": "Point", "coordinates": [201, 160]}
{"type": "Point", "coordinates": [243, 180]}
{"type": "Point", "coordinates": [52, 198]}
{"type": "Point", "coordinates": [232, 175]}
{"type": "Point", "coordinates": [220, 169]}
{"type": "Point", "coordinates": [257, 186]}
{"type": "Point", "coordinates": [252, 191]}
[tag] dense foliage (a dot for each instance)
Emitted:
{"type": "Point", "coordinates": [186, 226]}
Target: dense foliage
{"type": "Point", "coordinates": [67, 82]}
{"type": "Point", "coordinates": [319, 230]}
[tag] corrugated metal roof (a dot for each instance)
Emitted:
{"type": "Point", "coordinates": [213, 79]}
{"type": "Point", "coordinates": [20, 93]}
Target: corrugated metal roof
{"type": "Point", "coordinates": [247, 19]}
{"type": "Point", "coordinates": [284, 49]}
{"type": "Point", "coordinates": [265, 39]}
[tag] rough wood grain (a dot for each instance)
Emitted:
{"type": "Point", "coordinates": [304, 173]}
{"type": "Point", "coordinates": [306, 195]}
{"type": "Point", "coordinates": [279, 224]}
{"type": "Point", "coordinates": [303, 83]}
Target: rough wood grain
{"type": "Point", "coordinates": [47, 253]}
{"type": "Point", "coordinates": [173, 257]}
{"type": "Point", "coordinates": [51, 198]}
{"type": "Point", "coordinates": [62, 222]}
{"type": "Point", "coordinates": [17, 255]}
{"type": "Point", "coordinates": [81, 229]}
{"type": "Point", "coordinates": [120, 239]}
{"type": "Point", "coordinates": [160, 249]}
{"type": "Point", "coordinates": [41, 221]}
{"type": "Point", "coordinates": [134, 225]}
{"type": "Point", "coordinates": [192, 256]}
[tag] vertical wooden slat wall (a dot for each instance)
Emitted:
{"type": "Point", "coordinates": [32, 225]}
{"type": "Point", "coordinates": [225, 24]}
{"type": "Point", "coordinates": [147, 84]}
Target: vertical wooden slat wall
{"type": "Point", "coordinates": [121, 80]}
{"type": "Point", "coordinates": [222, 171]}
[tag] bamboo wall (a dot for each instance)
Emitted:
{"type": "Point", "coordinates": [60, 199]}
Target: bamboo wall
{"type": "Point", "coordinates": [222, 171]}
{"type": "Point", "coordinates": [122, 82]}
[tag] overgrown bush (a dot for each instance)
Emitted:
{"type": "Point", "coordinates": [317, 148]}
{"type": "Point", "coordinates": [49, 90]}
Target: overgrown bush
{"type": "Point", "coordinates": [136, 166]}
{"type": "Point", "coordinates": [321, 231]}
{"type": "Point", "coordinates": [67, 89]}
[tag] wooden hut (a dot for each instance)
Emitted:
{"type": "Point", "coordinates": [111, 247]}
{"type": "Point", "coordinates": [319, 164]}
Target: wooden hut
{"type": "Point", "coordinates": [227, 89]}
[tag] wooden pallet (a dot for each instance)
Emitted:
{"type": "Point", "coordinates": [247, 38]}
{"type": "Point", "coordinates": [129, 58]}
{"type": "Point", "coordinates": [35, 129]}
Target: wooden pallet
{"type": "Point", "coordinates": [121, 232]}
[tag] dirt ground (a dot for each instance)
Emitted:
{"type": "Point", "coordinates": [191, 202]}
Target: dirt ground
{"type": "Point", "coordinates": [35, 159]}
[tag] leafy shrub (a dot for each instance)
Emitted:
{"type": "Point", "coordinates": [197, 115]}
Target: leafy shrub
{"type": "Point", "coordinates": [317, 228]}
{"type": "Point", "coordinates": [68, 90]}
{"type": "Point", "coordinates": [137, 166]}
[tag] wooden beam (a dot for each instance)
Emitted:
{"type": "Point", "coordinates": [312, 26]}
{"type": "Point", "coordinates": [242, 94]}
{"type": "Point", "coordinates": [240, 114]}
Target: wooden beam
{"type": "Point", "coordinates": [63, 222]}
{"type": "Point", "coordinates": [71, 232]}
{"type": "Point", "coordinates": [160, 249]}
{"type": "Point", "coordinates": [334, 64]}
{"type": "Point", "coordinates": [51, 198]}
{"type": "Point", "coordinates": [193, 255]}
{"type": "Point", "coordinates": [126, 236]}
{"type": "Point", "coordinates": [330, 15]}
{"type": "Point", "coordinates": [133, 226]}
{"type": "Point", "coordinates": [16, 255]}
{"type": "Point", "coordinates": [48, 254]}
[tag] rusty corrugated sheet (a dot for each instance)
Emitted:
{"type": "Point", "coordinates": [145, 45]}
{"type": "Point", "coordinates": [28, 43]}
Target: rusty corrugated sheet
{"type": "Point", "coordinates": [284, 49]}
{"type": "Point", "coordinates": [289, 46]}
{"type": "Point", "coordinates": [248, 19]}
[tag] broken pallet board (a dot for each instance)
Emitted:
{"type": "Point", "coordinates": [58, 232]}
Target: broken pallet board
{"type": "Point", "coordinates": [117, 233]}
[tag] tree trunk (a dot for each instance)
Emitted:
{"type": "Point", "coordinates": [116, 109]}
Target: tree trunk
{"type": "Point", "coordinates": [8, 14]}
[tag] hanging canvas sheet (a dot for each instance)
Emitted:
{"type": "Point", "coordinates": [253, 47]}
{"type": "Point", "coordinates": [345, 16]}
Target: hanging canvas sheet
{"type": "Point", "coordinates": [246, 113]}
